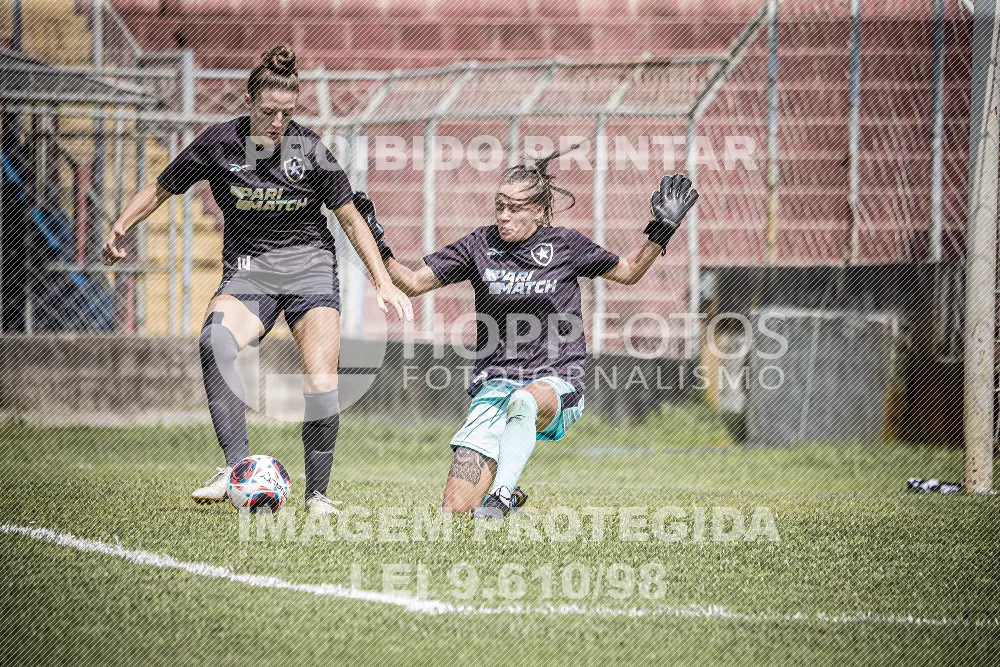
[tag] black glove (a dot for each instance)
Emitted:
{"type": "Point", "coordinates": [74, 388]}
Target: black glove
{"type": "Point", "coordinates": [366, 207]}
{"type": "Point", "coordinates": [669, 205]}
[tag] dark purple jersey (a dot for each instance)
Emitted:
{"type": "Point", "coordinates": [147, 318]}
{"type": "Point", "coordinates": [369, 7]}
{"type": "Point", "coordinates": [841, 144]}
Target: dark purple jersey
{"type": "Point", "coordinates": [272, 204]}
{"type": "Point", "coordinates": [529, 318]}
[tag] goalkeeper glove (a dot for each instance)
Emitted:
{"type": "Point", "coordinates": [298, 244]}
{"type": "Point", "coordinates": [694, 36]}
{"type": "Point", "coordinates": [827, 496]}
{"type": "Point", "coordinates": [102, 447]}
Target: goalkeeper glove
{"type": "Point", "coordinates": [669, 205]}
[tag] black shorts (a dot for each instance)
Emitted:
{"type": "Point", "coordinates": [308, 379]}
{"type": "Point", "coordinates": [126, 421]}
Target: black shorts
{"type": "Point", "coordinates": [267, 306]}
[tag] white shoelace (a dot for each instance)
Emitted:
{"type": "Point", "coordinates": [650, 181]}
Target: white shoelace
{"type": "Point", "coordinates": [318, 497]}
{"type": "Point", "coordinates": [219, 472]}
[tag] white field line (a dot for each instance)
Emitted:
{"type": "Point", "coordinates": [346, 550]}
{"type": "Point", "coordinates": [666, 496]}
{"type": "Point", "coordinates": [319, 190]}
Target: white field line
{"type": "Point", "coordinates": [436, 607]}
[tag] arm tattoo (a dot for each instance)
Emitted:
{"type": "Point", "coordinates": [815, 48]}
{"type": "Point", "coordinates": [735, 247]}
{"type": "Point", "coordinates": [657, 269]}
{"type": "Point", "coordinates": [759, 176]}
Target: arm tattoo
{"type": "Point", "coordinates": [467, 465]}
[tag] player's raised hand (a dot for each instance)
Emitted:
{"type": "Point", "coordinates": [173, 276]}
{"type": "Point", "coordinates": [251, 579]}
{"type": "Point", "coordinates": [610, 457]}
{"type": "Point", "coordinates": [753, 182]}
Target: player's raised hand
{"type": "Point", "coordinates": [673, 200]}
{"type": "Point", "coordinates": [668, 206]}
{"type": "Point", "coordinates": [111, 253]}
{"type": "Point", "coordinates": [390, 295]}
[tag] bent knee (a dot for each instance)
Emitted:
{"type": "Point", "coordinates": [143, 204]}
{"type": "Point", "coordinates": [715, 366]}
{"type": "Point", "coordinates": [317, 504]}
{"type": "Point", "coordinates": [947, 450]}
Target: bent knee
{"type": "Point", "coordinates": [319, 383]}
{"type": "Point", "coordinates": [461, 500]}
{"type": "Point", "coordinates": [522, 402]}
{"type": "Point", "coordinates": [217, 342]}
{"type": "Point", "coordinates": [460, 505]}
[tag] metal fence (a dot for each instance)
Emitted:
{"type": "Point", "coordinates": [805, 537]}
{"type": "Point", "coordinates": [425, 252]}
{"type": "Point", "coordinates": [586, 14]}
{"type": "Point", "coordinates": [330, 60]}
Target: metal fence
{"type": "Point", "coordinates": [888, 152]}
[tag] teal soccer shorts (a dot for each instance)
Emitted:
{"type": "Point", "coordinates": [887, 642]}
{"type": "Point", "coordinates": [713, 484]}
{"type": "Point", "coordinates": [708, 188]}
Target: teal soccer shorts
{"type": "Point", "coordinates": [487, 416]}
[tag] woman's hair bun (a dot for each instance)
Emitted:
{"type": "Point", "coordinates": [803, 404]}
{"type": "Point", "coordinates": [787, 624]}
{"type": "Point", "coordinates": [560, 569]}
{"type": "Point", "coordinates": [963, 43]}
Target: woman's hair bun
{"type": "Point", "coordinates": [280, 60]}
{"type": "Point", "coordinates": [276, 70]}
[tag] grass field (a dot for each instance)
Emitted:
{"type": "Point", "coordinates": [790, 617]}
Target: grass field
{"type": "Point", "coordinates": [862, 572]}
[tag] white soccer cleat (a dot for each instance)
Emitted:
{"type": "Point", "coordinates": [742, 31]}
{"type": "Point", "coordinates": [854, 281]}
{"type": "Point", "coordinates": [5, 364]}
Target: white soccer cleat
{"type": "Point", "coordinates": [317, 503]}
{"type": "Point", "coordinates": [214, 490]}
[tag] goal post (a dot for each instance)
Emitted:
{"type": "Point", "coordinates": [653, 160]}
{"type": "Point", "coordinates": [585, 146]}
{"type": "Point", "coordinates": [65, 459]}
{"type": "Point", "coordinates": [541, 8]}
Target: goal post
{"type": "Point", "coordinates": [981, 253]}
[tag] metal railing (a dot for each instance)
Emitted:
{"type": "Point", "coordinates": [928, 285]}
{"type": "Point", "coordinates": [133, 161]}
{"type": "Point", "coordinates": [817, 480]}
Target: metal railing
{"type": "Point", "coordinates": [670, 95]}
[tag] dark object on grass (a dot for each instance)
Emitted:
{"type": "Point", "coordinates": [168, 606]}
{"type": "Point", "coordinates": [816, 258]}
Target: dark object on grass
{"type": "Point", "coordinates": [933, 486]}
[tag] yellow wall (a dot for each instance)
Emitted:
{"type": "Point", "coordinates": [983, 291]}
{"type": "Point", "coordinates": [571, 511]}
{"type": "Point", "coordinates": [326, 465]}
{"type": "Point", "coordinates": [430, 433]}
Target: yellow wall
{"type": "Point", "coordinates": [52, 32]}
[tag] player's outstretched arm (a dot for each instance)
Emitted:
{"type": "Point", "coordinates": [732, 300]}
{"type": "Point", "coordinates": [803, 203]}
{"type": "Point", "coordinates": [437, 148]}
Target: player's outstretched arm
{"type": "Point", "coordinates": [632, 268]}
{"type": "Point", "coordinates": [139, 208]}
{"type": "Point", "coordinates": [412, 283]}
{"type": "Point", "coordinates": [387, 294]}
{"type": "Point", "coordinates": [668, 206]}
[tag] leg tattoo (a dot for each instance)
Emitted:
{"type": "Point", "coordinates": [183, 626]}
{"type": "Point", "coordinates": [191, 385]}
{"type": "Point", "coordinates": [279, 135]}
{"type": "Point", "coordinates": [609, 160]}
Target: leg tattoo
{"type": "Point", "coordinates": [467, 465]}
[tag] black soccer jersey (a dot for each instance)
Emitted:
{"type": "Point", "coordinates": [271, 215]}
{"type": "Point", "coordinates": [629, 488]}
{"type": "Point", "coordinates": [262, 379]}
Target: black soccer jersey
{"type": "Point", "coordinates": [530, 322]}
{"type": "Point", "coordinates": [275, 204]}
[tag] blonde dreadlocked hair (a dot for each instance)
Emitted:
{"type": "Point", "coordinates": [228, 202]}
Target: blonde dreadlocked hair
{"type": "Point", "coordinates": [540, 189]}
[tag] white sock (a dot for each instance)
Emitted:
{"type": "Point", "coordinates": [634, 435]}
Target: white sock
{"type": "Point", "coordinates": [518, 440]}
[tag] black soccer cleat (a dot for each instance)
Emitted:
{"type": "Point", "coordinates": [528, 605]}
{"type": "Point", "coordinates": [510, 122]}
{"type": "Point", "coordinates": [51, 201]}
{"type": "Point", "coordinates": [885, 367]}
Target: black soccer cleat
{"type": "Point", "coordinates": [498, 504]}
{"type": "Point", "coordinates": [518, 497]}
{"type": "Point", "coordinates": [495, 505]}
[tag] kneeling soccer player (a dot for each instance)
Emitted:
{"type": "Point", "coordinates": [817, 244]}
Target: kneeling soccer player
{"type": "Point", "coordinates": [529, 378]}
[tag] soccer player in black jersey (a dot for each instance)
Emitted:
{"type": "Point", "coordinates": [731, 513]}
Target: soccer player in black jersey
{"type": "Point", "coordinates": [270, 175]}
{"type": "Point", "coordinates": [531, 348]}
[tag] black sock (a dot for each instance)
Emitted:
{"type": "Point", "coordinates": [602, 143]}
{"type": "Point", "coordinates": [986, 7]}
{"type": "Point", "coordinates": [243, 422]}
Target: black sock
{"type": "Point", "coordinates": [224, 387]}
{"type": "Point", "coordinates": [319, 436]}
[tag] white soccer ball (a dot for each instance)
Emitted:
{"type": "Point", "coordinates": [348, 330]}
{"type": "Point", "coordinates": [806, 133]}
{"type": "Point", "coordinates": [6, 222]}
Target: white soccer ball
{"type": "Point", "coordinates": [259, 481]}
